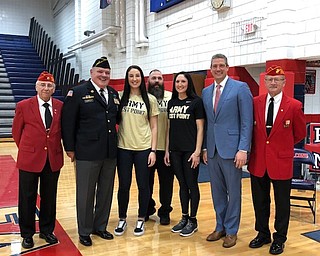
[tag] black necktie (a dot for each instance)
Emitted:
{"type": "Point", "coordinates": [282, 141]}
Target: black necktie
{"type": "Point", "coordinates": [47, 115]}
{"type": "Point", "coordinates": [269, 122]}
{"type": "Point", "coordinates": [102, 95]}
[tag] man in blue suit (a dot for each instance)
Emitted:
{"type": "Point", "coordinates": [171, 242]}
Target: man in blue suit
{"type": "Point", "coordinates": [229, 110]}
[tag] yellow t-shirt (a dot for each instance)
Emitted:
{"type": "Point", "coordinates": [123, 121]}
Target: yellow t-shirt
{"type": "Point", "coordinates": [163, 120]}
{"type": "Point", "coordinates": [134, 130]}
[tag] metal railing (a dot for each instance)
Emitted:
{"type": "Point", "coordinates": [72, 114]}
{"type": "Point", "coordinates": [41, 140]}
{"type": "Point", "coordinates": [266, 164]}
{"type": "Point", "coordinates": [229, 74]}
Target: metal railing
{"type": "Point", "coordinates": [52, 58]}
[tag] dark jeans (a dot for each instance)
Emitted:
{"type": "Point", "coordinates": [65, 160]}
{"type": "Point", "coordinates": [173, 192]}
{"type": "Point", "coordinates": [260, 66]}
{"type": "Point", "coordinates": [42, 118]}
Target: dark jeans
{"type": "Point", "coordinates": [125, 161]}
{"type": "Point", "coordinates": [165, 176]}
{"type": "Point", "coordinates": [28, 186]}
{"type": "Point", "coordinates": [188, 181]}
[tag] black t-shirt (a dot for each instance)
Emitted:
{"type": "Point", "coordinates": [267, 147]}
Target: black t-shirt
{"type": "Point", "coordinates": [182, 116]}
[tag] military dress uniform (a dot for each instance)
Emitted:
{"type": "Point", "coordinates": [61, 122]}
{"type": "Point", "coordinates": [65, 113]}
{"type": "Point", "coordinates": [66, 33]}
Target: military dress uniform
{"type": "Point", "coordinates": [89, 130]}
{"type": "Point", "coordinates": [89, 124]}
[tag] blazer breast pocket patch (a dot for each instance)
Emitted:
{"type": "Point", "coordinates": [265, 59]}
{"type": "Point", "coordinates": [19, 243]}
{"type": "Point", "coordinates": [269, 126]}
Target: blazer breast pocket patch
{"type": "Point", "coordinates": [286, 124]}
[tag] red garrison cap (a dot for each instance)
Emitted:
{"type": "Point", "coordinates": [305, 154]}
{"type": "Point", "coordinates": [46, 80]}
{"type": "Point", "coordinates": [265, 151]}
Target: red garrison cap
{"type": "Point", "coordinates": [274, 70]}
{"type": "Point", "coordinates": [46, 77]}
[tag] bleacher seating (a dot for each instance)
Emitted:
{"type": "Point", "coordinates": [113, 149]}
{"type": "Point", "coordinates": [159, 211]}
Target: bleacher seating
{"type": "Point", "coordinates": [20, 66]}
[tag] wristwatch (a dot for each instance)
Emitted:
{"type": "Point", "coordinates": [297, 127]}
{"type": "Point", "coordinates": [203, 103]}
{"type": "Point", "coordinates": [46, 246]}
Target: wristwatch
{"type": "Point", "coordinates": [153, 151]}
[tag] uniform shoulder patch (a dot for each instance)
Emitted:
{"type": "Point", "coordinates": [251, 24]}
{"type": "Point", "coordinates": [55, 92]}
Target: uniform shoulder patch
{"type": "Point", "coordinates": [70, 93]}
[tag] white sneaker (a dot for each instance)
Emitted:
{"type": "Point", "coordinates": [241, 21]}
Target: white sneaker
{"type": "Point", "coordinates": [121, 228]}
{"type": "Point", "coordinates": [139, 230]}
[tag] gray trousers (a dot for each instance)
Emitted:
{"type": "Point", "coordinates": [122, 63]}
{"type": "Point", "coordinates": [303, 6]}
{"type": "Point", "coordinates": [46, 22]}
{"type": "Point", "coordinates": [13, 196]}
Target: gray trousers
{"type": "Point", "coordinates": [94, 191]}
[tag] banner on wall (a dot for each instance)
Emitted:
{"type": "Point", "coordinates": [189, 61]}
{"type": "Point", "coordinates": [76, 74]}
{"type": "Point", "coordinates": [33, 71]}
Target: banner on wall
{"type": "Point", "coordinates": [314, 145]}
{"type": "Point", "coordinates": [105, 3]}
{"type": "Point", "coordinates": [159, 5]}
{"type": "Point", "coordinates": [310, 85]}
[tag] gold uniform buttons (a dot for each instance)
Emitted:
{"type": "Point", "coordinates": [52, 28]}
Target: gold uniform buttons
{"type": "Point", "coordinates": [268, 142]}
{"type": "Point", "coordinates": [45, 148]}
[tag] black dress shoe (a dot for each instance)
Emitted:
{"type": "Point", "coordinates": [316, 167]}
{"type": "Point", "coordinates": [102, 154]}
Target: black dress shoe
{"type": "Point", "coordinates": [259, 242]}
{"type": "Point", "coordinates": [50, 238]}
{"type": "Point", "coordinates": [85, 240]}
{"type": "Point", "coordinates": [104, 234]}
{"type": "Point", "coordinates": [27, 242]}
{"type": "Point", "coordinates": [276, 248]}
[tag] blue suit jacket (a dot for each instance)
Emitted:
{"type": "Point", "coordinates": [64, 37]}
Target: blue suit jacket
{"type": "Point", "coordinates": [230, 128]}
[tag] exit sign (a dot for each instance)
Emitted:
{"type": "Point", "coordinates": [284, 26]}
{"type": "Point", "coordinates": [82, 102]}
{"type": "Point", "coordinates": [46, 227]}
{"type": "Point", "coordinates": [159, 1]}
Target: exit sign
{"type": "Point", "coordinates": [250, 28]}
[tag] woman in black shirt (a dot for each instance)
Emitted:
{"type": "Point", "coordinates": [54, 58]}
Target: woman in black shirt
{"type": "Point", "coordinates": [184, 141]}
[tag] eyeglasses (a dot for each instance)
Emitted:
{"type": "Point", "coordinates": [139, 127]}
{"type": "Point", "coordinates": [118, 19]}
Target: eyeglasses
{"type": "Point", "coordinates": [221, 66]}
{"type": "Point", "coordinates": [275, 79]}
{"type": "Point", "coordinates": [49, 86]}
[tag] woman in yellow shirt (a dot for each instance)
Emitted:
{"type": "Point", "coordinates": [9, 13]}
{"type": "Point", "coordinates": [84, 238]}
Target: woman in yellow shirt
{"type": "Point", "coordinates": [137, 143]}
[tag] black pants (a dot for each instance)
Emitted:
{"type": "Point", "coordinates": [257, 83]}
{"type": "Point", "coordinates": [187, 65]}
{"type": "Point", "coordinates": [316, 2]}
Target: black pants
{"type": "Point", "coordinates": [261, 202]}
{"type": "Point", "coordinates": [188, 181]}
{"type": "Point", "coordinates": [28, 186]}
{"type": "Point", "coordinates": [125, 161]}
{"type": "Point", "coordinates": [165, 176]}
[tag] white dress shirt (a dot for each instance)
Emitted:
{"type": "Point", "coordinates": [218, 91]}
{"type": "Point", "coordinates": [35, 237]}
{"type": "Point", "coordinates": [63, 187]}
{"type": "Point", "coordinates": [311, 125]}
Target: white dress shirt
{"type": "Point", "coordinates": [43, 109]}
{"type": "Point", "coordinates": [276, 105]}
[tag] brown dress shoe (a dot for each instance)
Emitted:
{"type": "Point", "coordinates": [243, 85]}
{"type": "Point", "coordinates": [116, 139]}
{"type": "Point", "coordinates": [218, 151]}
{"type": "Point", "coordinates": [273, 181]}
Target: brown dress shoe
{"type": "Point", "coordinates": [215, 236]}
{"type": "Point", "coordinates": [229, 241]}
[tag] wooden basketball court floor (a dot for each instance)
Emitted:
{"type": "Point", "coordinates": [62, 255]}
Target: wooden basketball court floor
{"type": "Point", "coordinates": [158, 240]}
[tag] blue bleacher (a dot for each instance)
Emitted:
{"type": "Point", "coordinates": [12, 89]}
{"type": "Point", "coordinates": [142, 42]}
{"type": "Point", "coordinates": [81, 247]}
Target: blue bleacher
{"type": "Point", "coordinates": [20, 66]}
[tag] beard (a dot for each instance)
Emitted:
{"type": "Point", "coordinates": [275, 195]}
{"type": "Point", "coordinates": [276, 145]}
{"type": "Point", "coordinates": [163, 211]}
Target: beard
{"type": "Point", "coordinates": [156, 90]}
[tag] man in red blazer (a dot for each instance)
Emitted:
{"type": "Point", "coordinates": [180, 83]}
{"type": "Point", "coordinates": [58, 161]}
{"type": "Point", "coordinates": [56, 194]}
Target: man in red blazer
{"type": "Point", "coordinates": [36, 130]}
{"type": "Point", "coordinates": [279, 123]}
